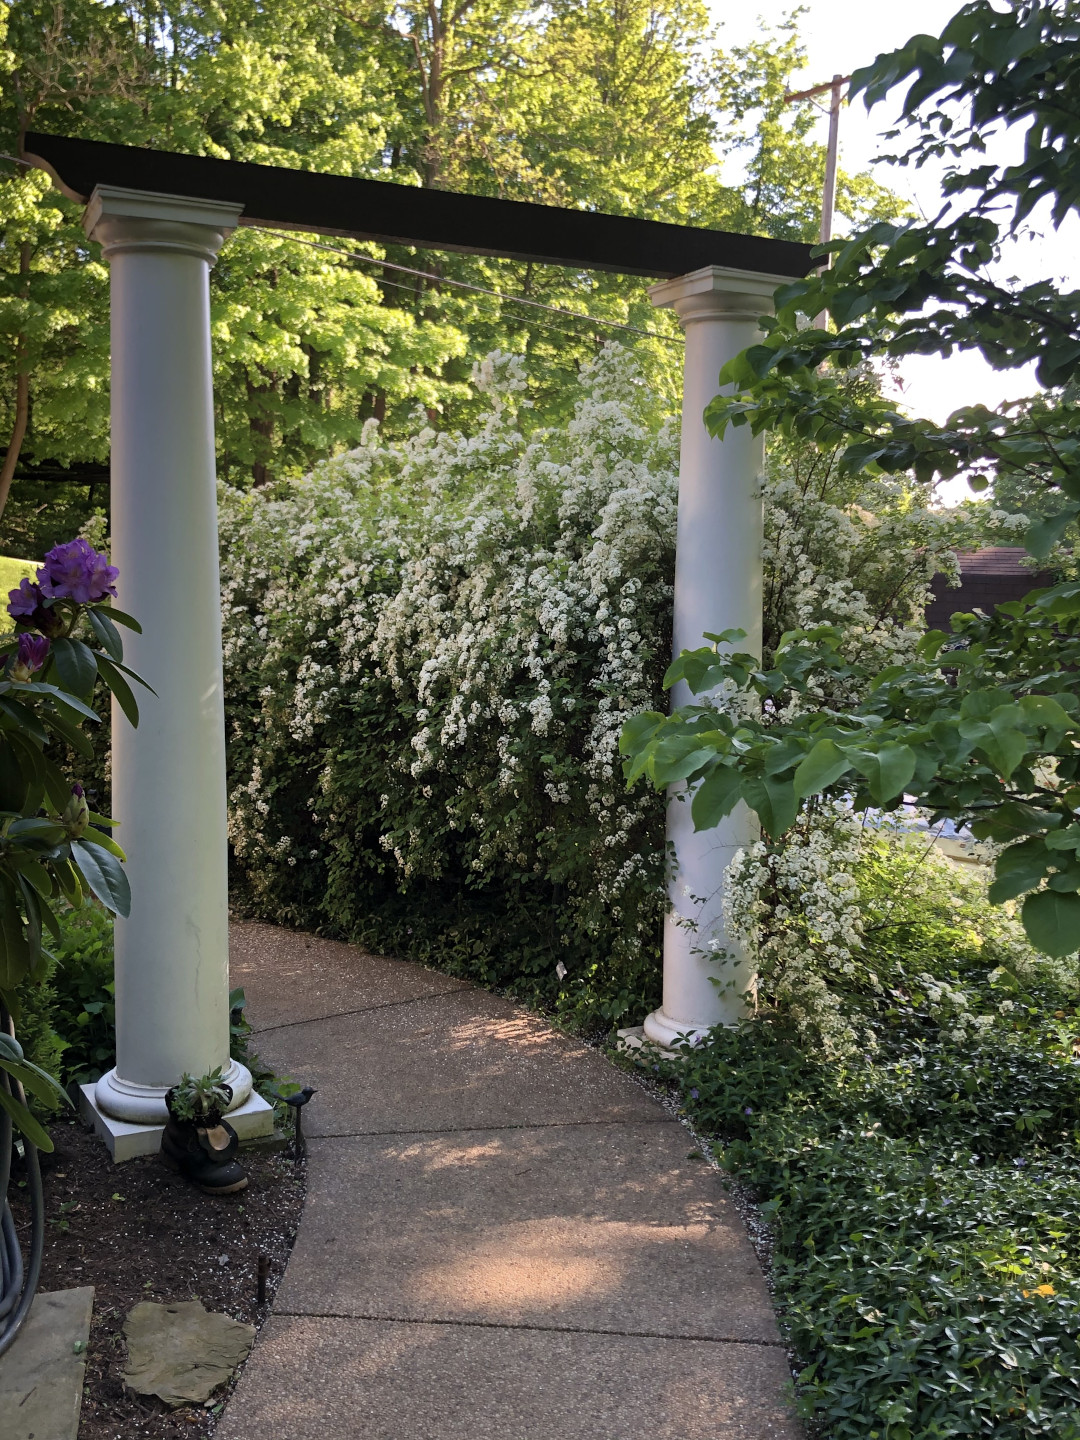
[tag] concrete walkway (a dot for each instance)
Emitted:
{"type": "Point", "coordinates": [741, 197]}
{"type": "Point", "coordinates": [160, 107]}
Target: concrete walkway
{"type": "Point", "coordinates": [504, 1237]}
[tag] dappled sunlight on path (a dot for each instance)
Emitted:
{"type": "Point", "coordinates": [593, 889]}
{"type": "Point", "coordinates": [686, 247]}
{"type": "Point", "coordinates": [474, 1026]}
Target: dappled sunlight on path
{"type": "Point", "coordinates": [504, 1235]}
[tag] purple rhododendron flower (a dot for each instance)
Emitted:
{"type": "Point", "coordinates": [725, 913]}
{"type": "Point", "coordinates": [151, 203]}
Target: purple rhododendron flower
{"type": "Point", "coordinates": [32, 652]}
{"type": "Point", "coordinates": [695, 1093]}
{"type": "Point", "coordinates": [76, 571]}
{"type": "Point", "coordinates": [25, 600]}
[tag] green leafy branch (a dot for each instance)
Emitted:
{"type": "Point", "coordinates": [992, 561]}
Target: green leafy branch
{"type": "Point", "coordinates": [985, 735]}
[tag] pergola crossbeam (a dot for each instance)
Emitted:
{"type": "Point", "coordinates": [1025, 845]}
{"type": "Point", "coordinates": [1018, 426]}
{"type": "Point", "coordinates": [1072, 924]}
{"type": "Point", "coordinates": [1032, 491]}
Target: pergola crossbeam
{"type": "Point", "coordinates": [407, 215]}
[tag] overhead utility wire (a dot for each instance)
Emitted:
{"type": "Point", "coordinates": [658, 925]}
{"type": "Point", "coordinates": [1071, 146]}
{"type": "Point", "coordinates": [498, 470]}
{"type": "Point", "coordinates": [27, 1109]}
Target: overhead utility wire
{"type": "Point", "coordinates": [410, 290]}
{"type": "Point", "coordinates": [477, 289]}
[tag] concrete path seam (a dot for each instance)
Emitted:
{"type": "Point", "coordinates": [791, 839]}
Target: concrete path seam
{"type": "Point", "coordinates": [539, 1329]}
{"type": "Point", "coordinates": [362, 1010]}
{"type": "Point", "coordinates": [643, 1119]}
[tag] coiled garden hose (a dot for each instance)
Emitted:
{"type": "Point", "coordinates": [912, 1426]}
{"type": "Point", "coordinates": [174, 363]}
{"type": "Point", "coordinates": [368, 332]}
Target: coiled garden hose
{"type": "Point", "coordinates": [18, 1278]}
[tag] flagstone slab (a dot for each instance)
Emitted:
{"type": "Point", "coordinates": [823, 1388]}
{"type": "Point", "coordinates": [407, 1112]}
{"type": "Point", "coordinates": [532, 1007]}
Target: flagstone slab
{"type": "Point", "coordinates": [181, 1352]}
{"type": "Point", "coordinates": [314, 1378]}
{"type": "Point", "coordinates": [466, 1059]}
{"type": "Point", "coordinates": [41, 1376]}
{"type": "Point", "coordinates": [609, 1228]}
{"type": "Point", "coordinates": [288, 976]}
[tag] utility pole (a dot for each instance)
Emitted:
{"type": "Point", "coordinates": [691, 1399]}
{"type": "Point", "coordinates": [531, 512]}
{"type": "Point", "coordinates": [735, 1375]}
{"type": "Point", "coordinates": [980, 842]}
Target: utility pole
{"type": "Point", "coordinates": [828, 199]}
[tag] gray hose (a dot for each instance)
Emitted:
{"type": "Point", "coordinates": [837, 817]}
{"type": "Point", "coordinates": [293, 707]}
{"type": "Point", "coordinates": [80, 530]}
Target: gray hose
{"type": "Point", "coordinates": [18, 1280]}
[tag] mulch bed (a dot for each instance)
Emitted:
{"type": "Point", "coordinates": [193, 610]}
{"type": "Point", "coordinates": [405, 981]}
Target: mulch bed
{"type": "Point", "coordinates": [138, 1232]}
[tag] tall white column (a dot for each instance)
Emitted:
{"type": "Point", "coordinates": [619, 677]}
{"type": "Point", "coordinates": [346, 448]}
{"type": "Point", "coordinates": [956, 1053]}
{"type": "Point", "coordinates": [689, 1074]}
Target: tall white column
{"type": "Point", "coordinates": [172, 986]}
{"type": "Point", "coordinates": [717, 587]}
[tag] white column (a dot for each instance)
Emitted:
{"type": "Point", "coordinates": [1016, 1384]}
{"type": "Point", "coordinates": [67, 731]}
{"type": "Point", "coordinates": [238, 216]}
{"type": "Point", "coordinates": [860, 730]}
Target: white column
{"type": "Point", "coordinates": [717, 587]}
{"type": "Point", "coordinates": [172, 985]}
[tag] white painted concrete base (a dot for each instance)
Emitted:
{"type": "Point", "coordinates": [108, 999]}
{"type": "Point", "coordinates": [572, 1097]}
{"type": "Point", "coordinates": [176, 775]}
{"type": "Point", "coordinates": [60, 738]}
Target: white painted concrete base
{"type": "Point", "coordinates": [252, 1119]}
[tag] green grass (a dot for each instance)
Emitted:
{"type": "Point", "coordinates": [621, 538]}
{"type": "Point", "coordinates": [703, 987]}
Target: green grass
{"type": "Point", "coordinates": [12, 571]}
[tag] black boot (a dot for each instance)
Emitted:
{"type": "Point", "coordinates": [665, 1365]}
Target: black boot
{"type": "Point", "coordinates": [205, 1155]}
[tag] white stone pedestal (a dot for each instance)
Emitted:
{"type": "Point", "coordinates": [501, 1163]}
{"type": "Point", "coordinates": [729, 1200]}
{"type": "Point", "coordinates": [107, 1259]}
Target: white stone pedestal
{"type": "Point", "coordinates": [124, 1140]}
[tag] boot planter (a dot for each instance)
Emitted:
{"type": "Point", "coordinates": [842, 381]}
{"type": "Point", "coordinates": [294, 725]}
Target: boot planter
{"type": "Point", "coordinates": [198, 1141]}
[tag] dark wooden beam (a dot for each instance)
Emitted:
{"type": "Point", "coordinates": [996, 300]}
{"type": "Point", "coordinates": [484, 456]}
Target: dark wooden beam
{"type": "Point", "coordinates": [405, 215]}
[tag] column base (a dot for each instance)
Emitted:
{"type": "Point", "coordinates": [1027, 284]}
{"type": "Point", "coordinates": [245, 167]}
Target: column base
{"type": "Point", "coordinates": [673, 1034]}
{"type": "Point", "coordinates": [145, 1104]}
{"type": "Point", "coordinates": [252, 1121]}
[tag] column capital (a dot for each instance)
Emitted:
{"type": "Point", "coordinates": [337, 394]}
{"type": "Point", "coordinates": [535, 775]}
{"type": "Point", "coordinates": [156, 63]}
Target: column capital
{"type": "Point", "coordinates": [718, 293]}
{"type": "Point", "coordinates": [124, 220]}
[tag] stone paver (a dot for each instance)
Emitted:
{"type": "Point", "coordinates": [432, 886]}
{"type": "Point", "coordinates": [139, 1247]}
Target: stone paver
{"type": "Point", "coordinates": [447, 1061]}
{"type": "Point", "coordinates": [41, 1376]}
{"type": "Point", "coordinates": [313, 1379]}
{"type": "Point", "coordinates": [505, 1238]}
{"type": "Point", "coordinates": [581, 1227]}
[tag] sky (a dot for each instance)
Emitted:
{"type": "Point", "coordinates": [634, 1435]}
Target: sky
{"type": "Point", "coordinates": [840, 36]}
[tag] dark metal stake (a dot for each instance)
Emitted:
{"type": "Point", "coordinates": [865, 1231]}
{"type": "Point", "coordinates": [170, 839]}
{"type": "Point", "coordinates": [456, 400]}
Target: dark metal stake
{"type": "Point", "coordinates": [264, 1275]}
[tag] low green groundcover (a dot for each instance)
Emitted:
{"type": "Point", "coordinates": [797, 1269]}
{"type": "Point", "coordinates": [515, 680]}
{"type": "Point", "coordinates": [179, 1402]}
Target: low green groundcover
{"type": "Point", "coordinates": [923, 1187]}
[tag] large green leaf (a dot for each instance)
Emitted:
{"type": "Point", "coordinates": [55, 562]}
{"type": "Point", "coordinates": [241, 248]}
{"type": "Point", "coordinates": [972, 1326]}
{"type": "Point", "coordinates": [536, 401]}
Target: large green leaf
{"type": "Point", "coordinates": [896, 766]}
{"type": "Point", "coordinates": [1043, 535]}
{"type": "Point", "coordinates": [1052, 922]}
{"type": "Point", "coordinates": [104, 875]}
{"type": "Point", "coordinates": [715, 797]}
{"type": "Point", "coordinates": [1019, 869]}
{"type": "Point", "coordinates": [825, 763]}
{"type": "Point", "coordinates": [677, 757]}
{"type": "Point", "coordinates": [774, 801]}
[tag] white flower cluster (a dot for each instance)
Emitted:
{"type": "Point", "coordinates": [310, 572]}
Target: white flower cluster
{"type": "Point", "coordinates": [845, 914]}
{"type": "Point", "coordinates": [797, 908]}
{"type": "Point", "coordinates": [855, 553]}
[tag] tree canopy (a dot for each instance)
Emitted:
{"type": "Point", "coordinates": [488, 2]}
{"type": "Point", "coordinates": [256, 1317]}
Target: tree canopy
{"type": "Point", "coordinates": [617, 105]}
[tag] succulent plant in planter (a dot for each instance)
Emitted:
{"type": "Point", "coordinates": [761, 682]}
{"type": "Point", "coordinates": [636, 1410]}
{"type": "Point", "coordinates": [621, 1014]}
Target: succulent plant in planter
{"type": "Point", "coordinates": [197, 1140]}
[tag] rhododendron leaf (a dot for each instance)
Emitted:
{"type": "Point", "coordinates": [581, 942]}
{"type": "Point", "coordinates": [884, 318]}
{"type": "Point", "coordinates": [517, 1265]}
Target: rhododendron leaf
{"type": "Point", "coordinates": [103, 874]}
{"type": "Point", "coordinates": [120, 688]}
{"type": "Point", "coordinates": [75, 665]}
{"type": "Point", "coordinates": [23, 1120]}
{"type": "Point", "coordinates": [106, 632]}
{"type": "Point", "coordinates": [119, 617]}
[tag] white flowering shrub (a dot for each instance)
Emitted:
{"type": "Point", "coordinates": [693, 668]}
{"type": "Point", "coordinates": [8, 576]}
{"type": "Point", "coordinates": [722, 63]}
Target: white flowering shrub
{"type": "Point", "coordinates": [854, 551]}
{"type": "Point", "coordinates": [431, 646]}
{"type": "Point", "coordinates": [847, 921]}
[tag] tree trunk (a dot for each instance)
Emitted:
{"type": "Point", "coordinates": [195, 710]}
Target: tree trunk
{"type": "Point", "coordinates": [22, 393]}
{"type": "Point", "coordinates": [261, 424]}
